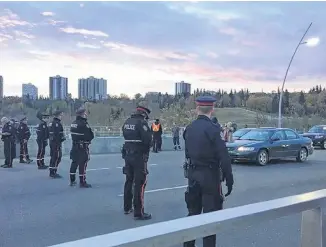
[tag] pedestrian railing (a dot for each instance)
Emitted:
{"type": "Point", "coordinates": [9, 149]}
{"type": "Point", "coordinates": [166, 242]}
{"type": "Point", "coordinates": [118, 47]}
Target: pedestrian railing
{"type": "Point", "coordinates": [169, 233]}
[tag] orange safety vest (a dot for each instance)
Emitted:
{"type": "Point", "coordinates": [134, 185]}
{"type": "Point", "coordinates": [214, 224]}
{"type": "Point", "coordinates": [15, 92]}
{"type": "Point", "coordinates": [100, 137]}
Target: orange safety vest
{"type": "Point", "coordinates": [156, 127]}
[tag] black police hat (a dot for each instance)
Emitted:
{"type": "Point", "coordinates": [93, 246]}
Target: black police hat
{"type": "Point", "coordinates": [80, 111]}
{"type": "Point", "coordinates": [143, 109]}
{"type": "Point", "coordinates": [205, 101]}
{"type": "Point", "coordinates": [57, 113]}
{"type": "Point", "coordinates": [157, 120]}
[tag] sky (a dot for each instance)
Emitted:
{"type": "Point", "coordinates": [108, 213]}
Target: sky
{"type": "Point", "coordinates": [148, 46]}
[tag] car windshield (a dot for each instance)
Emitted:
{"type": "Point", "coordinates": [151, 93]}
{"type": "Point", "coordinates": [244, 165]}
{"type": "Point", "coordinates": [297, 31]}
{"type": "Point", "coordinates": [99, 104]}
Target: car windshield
{"type": "Point", "coordinates": [257, 135]}
{"type": "Point", "coordinates": [318, 129]}
{"type": "Point", "coordinates": [240, 132]}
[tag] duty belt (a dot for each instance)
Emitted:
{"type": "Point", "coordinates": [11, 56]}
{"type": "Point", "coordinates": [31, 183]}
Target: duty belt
{"type": "Point", "coordinates": [133, 141]}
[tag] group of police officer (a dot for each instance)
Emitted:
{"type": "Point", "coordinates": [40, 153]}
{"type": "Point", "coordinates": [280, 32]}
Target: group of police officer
{"type": "Point", "coordinates": [207, 162]}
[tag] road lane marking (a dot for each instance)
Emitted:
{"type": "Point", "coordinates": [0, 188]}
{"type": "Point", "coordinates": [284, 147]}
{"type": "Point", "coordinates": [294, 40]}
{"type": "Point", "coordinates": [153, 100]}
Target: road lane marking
{"type": "Point", "coordinates": [120, 167]}
{"type": "Point", "coordinates": [98, 169]}
{"type": "Point", "coordinates": [163, 189]}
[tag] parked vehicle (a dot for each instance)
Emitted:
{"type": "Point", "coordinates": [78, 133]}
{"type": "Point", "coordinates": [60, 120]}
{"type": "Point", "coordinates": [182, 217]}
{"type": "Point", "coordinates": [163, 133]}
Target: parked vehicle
{"type": "Point", "coordinates": [318, 135]}
{"type": "Point", "coordinates": [262, 145]}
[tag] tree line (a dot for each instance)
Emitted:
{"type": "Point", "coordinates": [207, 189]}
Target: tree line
{"type": "Point", "coordinates": [113, 110]}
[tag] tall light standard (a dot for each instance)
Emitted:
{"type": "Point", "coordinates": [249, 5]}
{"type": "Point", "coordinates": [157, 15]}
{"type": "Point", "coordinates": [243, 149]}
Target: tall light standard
{"type": "Point", "coordinates": [309, 42]}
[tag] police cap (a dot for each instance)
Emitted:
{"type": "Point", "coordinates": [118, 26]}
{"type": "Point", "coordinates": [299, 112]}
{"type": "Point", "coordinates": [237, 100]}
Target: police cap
{"type": "Point", "coordinates": [81, 111]}
{"type": "Point", "coordinates": [45, 115]}
{"type": "Point", "coordinates": [205, 101]}
{"type": "Point", "coordinates": [157, 120]}
{"type": "Point", "coordinates": [143, 109]}
{"type": "Point", "coordinates": [57, 113]}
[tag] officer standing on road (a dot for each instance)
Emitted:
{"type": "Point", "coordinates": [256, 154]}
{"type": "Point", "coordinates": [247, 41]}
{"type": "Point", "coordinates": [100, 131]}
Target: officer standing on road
{"type": "Point", "coordinates": [42, 133]}
{"type": "Point", "coordinates": [56, 137]}
{"type": "Point", "coordinates": [137, 135]}
{"type": "Point", "coordinates": [24, 134]}
{"type": "Point", "coordinates": [157, 136]}
{"type": "Point", "coordinates": [9, 146]}
{"type": "Point", "coordinates": [206, 157]}
{"type": "Point", "coordinates": [81, 135]}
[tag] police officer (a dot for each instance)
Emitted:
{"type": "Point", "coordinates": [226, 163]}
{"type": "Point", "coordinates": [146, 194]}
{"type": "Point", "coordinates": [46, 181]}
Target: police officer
{"type": "Point", "coordinates": [42, 133]}
{"type": "Point", "coordinates": [56, 137]}
{"type": "Point", "coordinates": [207, 157]}
{"type": "Point", "coordinates": [157, 135]}
{"type": "Point", "coordinates": [23, 134]}
{"type": "Point", "coordinates": [137, 135]}
{"type": "Point", "coordinates": [81, 135]}
{"type": "Point", "coordinates": [8, 137]}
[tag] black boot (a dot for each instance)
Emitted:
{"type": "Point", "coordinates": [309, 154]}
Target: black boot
{"type": "Point", "coordinates": [128, 211]}
{"type": "Point", "coordinates": [144, 216]}
{"type": "Point", "coordinates": [22, 161]}
{"type": "Point", "coordinates": [85, 185]}
{"type": "Point", "coordinates": [42, 167]}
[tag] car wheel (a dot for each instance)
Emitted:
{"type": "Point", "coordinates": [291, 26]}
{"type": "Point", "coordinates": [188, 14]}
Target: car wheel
{"type": "Point", "coordinates": [262, 157]}
{"type": "Point", "coordinates": [323, 145]}
{"type": "Point", "coordinates": [303, 155]}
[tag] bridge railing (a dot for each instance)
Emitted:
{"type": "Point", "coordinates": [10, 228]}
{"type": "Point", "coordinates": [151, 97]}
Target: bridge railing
{"type": "Point", "coordinates": [169, 233]}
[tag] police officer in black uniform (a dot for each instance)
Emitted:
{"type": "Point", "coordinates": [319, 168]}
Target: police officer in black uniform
{"type": "Point", "coordinates": [56, 137]}
{"type": "Point", "coordinates": [9, 146]}
{"type": "Point", "coordinates": [42, 133]}
{"type": "Point", "coordinates": [23, 134]}
{"type": "Point", "coordinates": [206, 158]}
{"type": "Point", "coordinates": [137, 135]}
{"type": "Point", "coordinates": [81, 135]}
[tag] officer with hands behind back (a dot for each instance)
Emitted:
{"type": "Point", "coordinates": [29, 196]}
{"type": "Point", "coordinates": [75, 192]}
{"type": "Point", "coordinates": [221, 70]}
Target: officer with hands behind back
{"type": "Point", "coordinates": [42, 133]}
{"type": "Point", "coordinates": [138, 137]}
{"type": "Point", "coordinates": [23, 134]}
{"type": "Point", "coordinates": [56, 137]}
{"type": "Point", "coordinates": [81, 135]}
{"type": "Point", "coordinates": [206, 157]}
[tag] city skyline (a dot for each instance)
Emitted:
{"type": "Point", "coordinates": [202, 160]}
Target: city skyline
{"type": "Point", "coordinates": [208, 44]}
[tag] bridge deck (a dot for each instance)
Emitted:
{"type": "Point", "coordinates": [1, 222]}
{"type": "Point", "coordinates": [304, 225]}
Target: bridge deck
{"type": "Point", "coordinates": [37, 211]}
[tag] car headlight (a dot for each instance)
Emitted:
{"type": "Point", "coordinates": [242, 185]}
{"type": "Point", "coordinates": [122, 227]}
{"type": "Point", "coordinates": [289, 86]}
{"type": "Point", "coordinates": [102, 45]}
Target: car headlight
{"type": "Point", "coordinates": [318, 137]}
{"type": "Point", "coordinates": [246, 149]}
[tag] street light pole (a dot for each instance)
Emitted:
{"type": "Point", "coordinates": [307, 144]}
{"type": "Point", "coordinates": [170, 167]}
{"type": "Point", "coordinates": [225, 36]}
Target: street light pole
{"type": "Point", "coordinates": [286, 74]}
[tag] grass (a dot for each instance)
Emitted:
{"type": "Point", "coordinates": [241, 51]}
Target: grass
{"type": "Point", "coordinates": [238, 115]}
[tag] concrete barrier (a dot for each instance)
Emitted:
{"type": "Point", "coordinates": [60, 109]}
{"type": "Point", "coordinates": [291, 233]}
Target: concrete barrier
{"type": "Point", "coordinates": [100, 145]}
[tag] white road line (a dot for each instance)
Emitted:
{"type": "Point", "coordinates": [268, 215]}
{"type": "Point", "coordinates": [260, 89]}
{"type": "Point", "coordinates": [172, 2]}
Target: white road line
{"type": "Point", "coordinates": [98, 169]}
{"type": "Point", "coordinates": [120, 167]}
{"type": "Point", "coordinates": [163, 189]}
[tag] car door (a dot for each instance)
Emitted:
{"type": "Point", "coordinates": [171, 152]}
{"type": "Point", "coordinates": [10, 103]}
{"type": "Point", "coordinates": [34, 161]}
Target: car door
{"type": "Point", "coordinates": [293, 143]}
{"type": "Point", "coordinates": [279, 148]}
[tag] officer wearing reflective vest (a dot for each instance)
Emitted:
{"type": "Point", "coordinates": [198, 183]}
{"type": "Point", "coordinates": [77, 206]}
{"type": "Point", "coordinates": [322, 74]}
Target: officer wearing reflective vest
{"type": "Point", "coordinates": [42, 133]}
{"type": "Point", "coordinates": [207, 157]}
{"type": "Point", "coordinates": [157, 135]}
{"type": "Point", "coordinates": [23, 134]}
{"type": "Point", "coordinates": [137, 135]}
{"type": "Point", "coordinates": [56, 137]}
{"type": "Point", "coordinates": [81, 135]}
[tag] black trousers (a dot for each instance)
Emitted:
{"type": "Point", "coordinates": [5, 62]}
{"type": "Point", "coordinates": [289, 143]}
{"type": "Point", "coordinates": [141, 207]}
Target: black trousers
{"type": "Point", "coordinates": [176, 141]}
{"type": "Point", "coordinates": [79, 156]}
{"type": "Point", "coordinates": [159, 144]}
{"type": "Point", "coordinates": [56, 155]}
{"type": "Point", "coordinates": [156, 143]}
{"type": "Point", "coordinates": [23, 150]}
{"type": "Point", "coordinates": [204, 194]}
{"type": "Point", "coordinates": [9, 148]}
{"type": "Point", "coordinates": [41, 145]}
{"type": "Point", "coordinates": [136, 176]}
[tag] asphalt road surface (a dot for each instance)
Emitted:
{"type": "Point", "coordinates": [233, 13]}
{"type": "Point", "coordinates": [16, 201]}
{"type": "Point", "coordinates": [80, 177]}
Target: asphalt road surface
{"type": "Point", "coordinates": [36, 211]}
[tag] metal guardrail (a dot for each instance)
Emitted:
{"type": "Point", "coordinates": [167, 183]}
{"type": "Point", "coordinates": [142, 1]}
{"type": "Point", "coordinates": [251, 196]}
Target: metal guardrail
{"type": "Point", "coordinates": [169, 233]}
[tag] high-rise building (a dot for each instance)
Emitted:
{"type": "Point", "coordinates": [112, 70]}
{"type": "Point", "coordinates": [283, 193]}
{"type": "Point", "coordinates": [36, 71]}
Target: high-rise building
{"type": "Point", "coordinates": [1, 87]}
{"type": "Point", "coordinates": [92, 88]}
{"type": "Point", "coordinates": [58, 87]}
{"type": "Point", "coordinates": [182, 88]}
{"type": "Point", "coordinates": [29, 91]}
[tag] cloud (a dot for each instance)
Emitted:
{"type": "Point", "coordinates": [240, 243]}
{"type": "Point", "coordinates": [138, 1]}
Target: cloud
{"type": "Point", "coordinates": [23, 35]}
{"type": "Point", "coordinates": [55, 22]}
{"type": "Point", "coordinates": [83, 45]}
{"type": "Point", "coordinates": [72, 30]}
{"type": "Point", "coordinates": [47, 14]}
{"type": "Point", "coordinates": [9, 19]}
{"type": "Point", "coordinates": [81, 5]}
